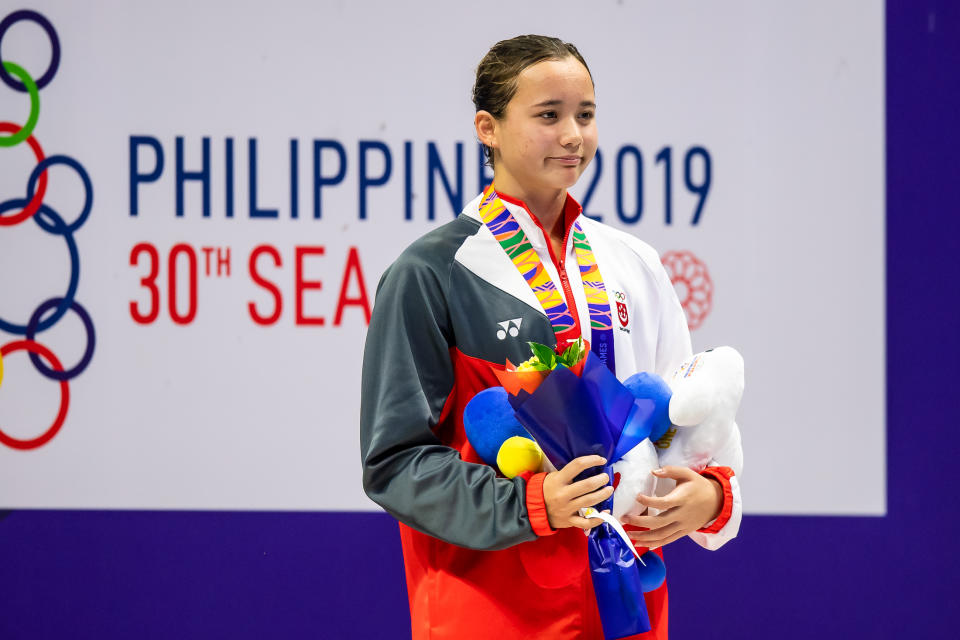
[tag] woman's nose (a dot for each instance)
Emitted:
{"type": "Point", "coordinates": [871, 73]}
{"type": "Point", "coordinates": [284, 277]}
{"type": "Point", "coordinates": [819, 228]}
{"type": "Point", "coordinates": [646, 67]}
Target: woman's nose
{"type": "Point", "coordinates": [570, 136]}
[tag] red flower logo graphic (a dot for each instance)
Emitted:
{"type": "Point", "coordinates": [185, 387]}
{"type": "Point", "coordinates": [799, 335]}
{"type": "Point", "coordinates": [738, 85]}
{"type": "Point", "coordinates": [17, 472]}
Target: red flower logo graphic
{"type": "Point", "coordinates": [692, 282]}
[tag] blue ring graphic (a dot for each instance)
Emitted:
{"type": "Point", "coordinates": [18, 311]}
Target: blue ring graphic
{"type": "Point", "coordinates": [44, 80]}
{"type": "Point", "coordinates": [87, 353]}
{"type": "Point", "coordinates": [13, 203]}
{"type": "Point", "coordinates": [62, 229]}
{"type": "Point", "coordinates": [87, 186]}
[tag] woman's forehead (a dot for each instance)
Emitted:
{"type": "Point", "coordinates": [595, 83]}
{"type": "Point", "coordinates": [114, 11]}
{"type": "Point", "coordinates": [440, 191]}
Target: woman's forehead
{"type": "Point", "coordinates": [555, 80]}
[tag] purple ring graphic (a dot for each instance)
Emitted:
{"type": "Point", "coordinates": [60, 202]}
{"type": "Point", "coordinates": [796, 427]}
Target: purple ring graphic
{"type": "Point", "coordinates": [44, 80]}
{"type": "Point", "coordinates": [60, 228]}
{"type": "Point", "coordinates": [87, 187]}
{"type": "Point", "coordinates": [87, 353]}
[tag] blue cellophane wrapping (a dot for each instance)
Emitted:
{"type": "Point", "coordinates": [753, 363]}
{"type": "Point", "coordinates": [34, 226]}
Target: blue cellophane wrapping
{"type": "Point", "coordinates": [571, 416]}
{"type": "Point", "coordinates": [616, 582]}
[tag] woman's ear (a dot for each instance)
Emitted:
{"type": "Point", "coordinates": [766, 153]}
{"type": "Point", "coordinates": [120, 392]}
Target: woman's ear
{"type": "Point", "coordinates": [486, 126]}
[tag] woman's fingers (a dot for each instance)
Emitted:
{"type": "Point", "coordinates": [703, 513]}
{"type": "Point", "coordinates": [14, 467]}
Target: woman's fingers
{"type": "Point", "coordinates": [592, 499]}
{"type": "Point", "coordinates": [655, 544]}
{"type": "Point", "coordinates": [666, 502]}
{"type": "Point", "coordinates": [651, 523]}
{"type": "Point", "coordinates": [585, 523]}
{"type": "Point", "coordinates": [578, 465]}
{"type": "Point", "coordinates": [564, 498]}
{"type": "Point", "coordinates": [680, 474]}
{"type": "Point", "coordinates": [588, 485]}
{"type": "Point", "coordinates": [657, 537]}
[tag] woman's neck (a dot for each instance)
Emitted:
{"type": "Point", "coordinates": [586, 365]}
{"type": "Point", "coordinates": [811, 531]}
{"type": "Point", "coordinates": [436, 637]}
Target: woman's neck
{"type": "Point", "coordinates": [549, 212]}
{"type": "Point", "coordinates": [546, 206]}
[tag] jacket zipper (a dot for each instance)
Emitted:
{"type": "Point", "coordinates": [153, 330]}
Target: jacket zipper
{"type": "Point", "coordinates": [564, 281]}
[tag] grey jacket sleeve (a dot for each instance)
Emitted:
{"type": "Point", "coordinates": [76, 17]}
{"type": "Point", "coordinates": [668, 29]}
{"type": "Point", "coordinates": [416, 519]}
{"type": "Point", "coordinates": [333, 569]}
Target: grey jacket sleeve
{"type": "Point", "coordinates": [407, 377]}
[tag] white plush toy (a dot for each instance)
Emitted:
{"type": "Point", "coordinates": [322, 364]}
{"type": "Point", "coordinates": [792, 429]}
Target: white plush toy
{"type": "Point", "coordinates": [706, 395]}
{"type": "Point", "coordinates": [634, 474]}
{"type": "Point", "coordinates": [699, 405]}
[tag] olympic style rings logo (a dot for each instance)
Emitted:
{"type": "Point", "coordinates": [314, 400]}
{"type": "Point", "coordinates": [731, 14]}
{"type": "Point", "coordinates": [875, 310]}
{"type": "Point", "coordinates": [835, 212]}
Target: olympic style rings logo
{"type": "Point", "coordinates": [16, 210]}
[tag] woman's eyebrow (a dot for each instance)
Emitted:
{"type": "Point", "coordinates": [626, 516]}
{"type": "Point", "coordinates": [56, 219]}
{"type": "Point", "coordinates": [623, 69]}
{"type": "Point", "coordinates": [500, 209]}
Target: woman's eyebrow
{"type": "Point", "coordinates": [553, 103]}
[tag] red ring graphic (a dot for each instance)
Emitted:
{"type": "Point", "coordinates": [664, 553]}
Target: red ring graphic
{"type": "Point", "coordinates": [685, 269]}
{"type": "Point", "coordinates": [37, 200]}
{"type": "Point", "coordinates": [39, 349]}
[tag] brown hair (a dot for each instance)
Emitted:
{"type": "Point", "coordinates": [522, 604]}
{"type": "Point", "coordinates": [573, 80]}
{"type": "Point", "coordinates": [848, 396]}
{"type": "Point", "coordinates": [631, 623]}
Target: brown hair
{"type": "Point", "coordinates": [500, 69]}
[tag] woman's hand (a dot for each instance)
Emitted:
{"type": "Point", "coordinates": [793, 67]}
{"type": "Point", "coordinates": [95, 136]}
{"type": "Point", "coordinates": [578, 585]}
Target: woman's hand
{"type": "Point", "coordinates": [563, 497]}
{"type": "Point", "coordinates": [694, 502]}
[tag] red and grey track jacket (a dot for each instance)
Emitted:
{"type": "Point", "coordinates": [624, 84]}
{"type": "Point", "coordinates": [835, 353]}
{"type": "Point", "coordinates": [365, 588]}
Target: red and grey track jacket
{"type": "Point", "coordinates": [481, 560]}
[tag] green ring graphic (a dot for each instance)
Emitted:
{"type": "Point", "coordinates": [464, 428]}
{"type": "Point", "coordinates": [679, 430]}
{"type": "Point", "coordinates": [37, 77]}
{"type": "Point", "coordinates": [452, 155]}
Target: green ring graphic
{"type": "Point", "coordinates": [27, 129]}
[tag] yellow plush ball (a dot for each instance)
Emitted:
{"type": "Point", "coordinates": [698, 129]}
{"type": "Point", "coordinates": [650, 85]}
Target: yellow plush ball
{"type": "Point", "coordinates": [519, 454]}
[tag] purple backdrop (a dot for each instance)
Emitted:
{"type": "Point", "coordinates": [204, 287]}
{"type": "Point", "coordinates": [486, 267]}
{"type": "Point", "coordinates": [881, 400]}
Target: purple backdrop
{"type": "Point", "coordinates": [252, 575]}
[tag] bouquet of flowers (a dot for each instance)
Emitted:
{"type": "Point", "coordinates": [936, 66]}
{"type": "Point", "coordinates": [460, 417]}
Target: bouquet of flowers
{"type": "Point", "coordinates": [572, 405]}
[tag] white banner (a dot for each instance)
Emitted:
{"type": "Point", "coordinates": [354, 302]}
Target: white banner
{"type": "Point", "coordinates": [254, 168]}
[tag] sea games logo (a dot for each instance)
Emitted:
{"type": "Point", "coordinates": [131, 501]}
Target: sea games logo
{"type": "Point", "coordinates": [692, 282]}
{"type": "Point", "coordinates": [32, 207]}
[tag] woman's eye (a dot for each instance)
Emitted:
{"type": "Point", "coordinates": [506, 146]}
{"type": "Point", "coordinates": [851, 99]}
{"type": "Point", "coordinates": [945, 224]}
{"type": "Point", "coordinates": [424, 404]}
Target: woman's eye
{"type": "Point", "coordinates": [586, 115]}
{"type": "Point", "coordinates": [548, 114]}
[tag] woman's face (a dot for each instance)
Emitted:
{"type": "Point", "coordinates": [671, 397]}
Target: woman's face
{"type": "Point", "coordinates": [548, 134]}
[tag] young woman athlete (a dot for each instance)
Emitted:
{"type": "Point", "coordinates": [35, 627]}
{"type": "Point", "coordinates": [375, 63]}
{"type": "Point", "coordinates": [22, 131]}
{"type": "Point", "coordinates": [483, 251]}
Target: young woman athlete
{"type": "Point", "coordinates": [488, 557]}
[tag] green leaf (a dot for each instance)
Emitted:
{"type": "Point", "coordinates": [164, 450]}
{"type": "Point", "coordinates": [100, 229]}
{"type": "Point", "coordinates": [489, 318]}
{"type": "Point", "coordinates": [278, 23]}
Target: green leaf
{"type": "Point", "coordinates": [544, 354]}
{"type": "Point", "coordinates": [573, 353]}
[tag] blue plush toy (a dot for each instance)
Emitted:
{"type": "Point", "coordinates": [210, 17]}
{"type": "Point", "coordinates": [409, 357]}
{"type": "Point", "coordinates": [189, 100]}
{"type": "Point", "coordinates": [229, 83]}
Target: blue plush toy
{"type": "Point", "coordinates": [634, 466]}
{"type": "Point", "coordinates": [498, 437]}
{"type": "Point", "coordinates": [650, 386]}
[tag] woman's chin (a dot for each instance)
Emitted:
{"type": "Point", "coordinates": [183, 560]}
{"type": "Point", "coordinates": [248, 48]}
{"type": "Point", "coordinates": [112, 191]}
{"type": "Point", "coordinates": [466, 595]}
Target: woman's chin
{"type": "Point", "coordinates": [560, 178]}
{"type": "Point", "coordinates": [567, 179]}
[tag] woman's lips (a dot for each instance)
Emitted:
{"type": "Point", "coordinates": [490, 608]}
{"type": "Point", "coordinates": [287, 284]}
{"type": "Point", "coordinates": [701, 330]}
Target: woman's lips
{"type": "Point", "coordinates": [571, 161]}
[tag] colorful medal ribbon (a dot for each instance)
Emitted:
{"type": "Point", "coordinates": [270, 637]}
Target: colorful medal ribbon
{"type": "Point", "coordinates": [514, 241]}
